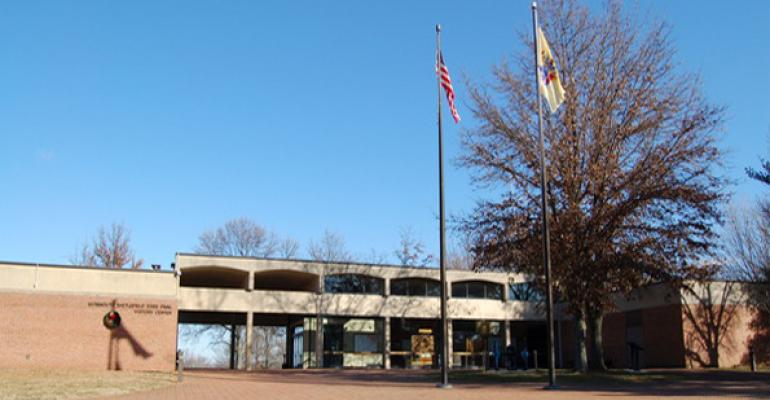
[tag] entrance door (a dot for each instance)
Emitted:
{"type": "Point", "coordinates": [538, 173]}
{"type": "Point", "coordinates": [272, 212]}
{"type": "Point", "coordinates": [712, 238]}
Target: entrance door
{"type": "Point", "coordinates": [495, 349]}
{"type": "Point", "coordinates": [298, 342]}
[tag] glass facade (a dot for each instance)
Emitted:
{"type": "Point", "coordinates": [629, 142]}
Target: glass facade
{"type": "Point", "coordinates": [477, 290]}
{"type": "Point", "coordinates": [477, 344]}
{"type": "Point", "coordinates": [528, 339]}
{"type": "Point", "coordinates": [353, 283]}
{"type": "Point", "coordinates": [414, 343]}
{"type": "Point", "coordinates": [348, 342]}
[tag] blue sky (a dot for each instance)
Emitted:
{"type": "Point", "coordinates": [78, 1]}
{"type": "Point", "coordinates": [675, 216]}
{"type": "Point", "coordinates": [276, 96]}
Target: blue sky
{"type": "Point", "coordinates": [173, 117]}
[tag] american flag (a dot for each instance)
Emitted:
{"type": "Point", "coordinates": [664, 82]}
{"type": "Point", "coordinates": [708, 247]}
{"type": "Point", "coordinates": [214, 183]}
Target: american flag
{"type": "Point", "coordinates": [446, 83]}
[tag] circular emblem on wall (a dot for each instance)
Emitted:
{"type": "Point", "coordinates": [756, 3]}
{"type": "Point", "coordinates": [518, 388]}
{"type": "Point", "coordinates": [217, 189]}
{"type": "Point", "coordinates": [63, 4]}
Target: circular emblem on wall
{"type": "Point", "coordinates": [111, 320]}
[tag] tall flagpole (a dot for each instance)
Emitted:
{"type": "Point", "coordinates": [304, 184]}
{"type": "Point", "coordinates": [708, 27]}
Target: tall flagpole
{"type": "Point", "coordinates": [442, 255]}
{"type": "Point", "coordinates": [544, 206]}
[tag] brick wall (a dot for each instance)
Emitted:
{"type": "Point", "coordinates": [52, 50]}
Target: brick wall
{"type": "Point", "coordinates": [661, 338]}
{"type": "Point", "coordinates": [733, 322]}
{"type": "Point", "coordinates": [66, 331]}
{"type": "Point", "coordinates": [663, 341]}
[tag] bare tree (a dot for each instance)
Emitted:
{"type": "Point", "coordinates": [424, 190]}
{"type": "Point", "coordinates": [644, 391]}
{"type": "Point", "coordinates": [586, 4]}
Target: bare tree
{"type": "Point", "coordinates": [373, 257]}
{"type": "Point", "coordinates": [631, 157]}
{"type": "Point", "coordinates": [748, 244]}
{"type": "Point", "coordinates": [331, 247]}
{"type": "Point", "coordinates": [460, 252]}
{"type": "Point", "coordinates": [287, 248]}
{"type": "Point", "coordinates": [747, 237]}
{"type": "Point", "coordinates": [238, 237]}
{"type": "Point", "coordinates": [245, 238]}
{"type": "Point", "coordinates": [269, 346]}
{"type": "Point", "coordinates": [111, 248]}
{"type": "Point", "coordinates": [748, 250]}
{"type": "Point", "coordinates": [411, 251]}
{"type": "Point", "coordinates": [83, 256]}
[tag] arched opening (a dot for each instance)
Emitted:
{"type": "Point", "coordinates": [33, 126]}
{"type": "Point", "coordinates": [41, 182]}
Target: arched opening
{"type": "Point", "coordinates": [293, 281]}
{"type": "Point", "coordinates": [214, 277]}
{"type": "Point", "coordinates": [415, 287]}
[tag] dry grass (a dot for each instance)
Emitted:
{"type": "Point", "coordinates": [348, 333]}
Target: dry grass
{"type": "Point", "coordinates": [43, 384]}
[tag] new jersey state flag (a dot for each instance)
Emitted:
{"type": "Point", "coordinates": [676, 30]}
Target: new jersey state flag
{"type": "Point", "coordinates": [547, 74]}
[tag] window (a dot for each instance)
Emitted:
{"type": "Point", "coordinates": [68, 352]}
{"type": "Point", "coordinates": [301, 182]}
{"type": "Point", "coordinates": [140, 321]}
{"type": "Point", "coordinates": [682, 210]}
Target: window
{"type": "Point", "coordinates": [399, 287]}
{"type": "Point", "coordinates": [353, 283]}
{"type": "Point", "coordinates": [477, 290]}
{"type": "Point", "coordinates": [459, 290]}
{"type": "Point", "coordinates": [415, 287]}
{"type": "Point", "coordinates": [524, 291]}
{"type": "Point", "coordinates": [434, 288]}
{"type": "Point", "coordinates": [493, 291]}
{"type": "Point", "coordinates": [362, 335]}
{"type": "Point", "coordinates": [364, 343]}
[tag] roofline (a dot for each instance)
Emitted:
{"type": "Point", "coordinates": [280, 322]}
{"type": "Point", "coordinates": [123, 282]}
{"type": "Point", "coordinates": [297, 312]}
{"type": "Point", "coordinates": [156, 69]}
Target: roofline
{"type": "Point", "coordinates": [87, 267]}
{"type": "Point", "coordinates": [305, 260]}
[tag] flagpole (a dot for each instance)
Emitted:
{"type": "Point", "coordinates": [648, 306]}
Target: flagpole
{"type": "Point", "coordinates": [442, 255]}
{"type": "Point", "coordinates": [544, 213]}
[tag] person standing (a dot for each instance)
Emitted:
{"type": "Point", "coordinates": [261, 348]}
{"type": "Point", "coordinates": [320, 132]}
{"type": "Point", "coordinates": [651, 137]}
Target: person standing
{"type": "Point", "coordinates": [525, 356]}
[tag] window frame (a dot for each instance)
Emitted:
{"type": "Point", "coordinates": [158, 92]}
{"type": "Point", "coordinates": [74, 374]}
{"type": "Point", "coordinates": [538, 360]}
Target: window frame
{"type": "Point", "coordinates": [428, 287]}
{"type": "Point", "coordinates": [461, 287]}
{"type": "Point", "coordinates": [368, 284]}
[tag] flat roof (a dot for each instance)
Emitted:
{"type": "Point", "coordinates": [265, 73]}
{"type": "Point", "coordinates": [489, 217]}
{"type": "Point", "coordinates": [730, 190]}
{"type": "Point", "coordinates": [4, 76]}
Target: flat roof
{"type": "Point", "coordinates": [89, 267]}
{"type": "Point", "coordinates": [305, 260]}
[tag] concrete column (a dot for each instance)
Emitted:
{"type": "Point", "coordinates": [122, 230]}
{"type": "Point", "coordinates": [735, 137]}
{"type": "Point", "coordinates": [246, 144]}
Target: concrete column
{"type": "Point", "coordinates": [450, 360]}
{"type": "Point", "coordinates": [386, 338]}
{"type": "Point", "coordinates": [250, 283]}
{"type": "Point", "coordinates": [249, 339]}
{"type": "Point", "coordinates": [507, 291]}
{"type": "Point", "coordinates": [559, 343]}
{"type": "Point", "coordinates": [288, 354]}
{"type": "Point", "coordinates": [387, 286]}
{"type": "Point", "coordinates": [307, 351]}
{"type": "Point", "coordinates": [233, 346]}
{"type": "Point", "coordinates": [507, 333]}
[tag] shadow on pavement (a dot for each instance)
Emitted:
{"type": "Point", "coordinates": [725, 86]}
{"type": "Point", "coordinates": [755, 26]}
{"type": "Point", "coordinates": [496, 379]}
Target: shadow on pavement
{"type": "Point", "coordinates": [656, 383]}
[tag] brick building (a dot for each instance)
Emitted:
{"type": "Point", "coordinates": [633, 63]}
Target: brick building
{"type": "Point", "coordinates": [373, 316]}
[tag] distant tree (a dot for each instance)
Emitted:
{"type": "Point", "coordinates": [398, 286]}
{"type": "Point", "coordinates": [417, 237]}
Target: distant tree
{"type": "Point", "coordinates": [331, 247]}
{"type": "Point", "coordinates": [460, 252]}
{"type": "Point", "coordinates": [411, 251]}
{"type": "Point", "coordinates": [245, 238]}
{"type": "Point", "coordinates": [195, 360]}
{"type": "Point", "coordinates": [269, 346]}
{"type": "Point", "coordinates": [632, 162]}
{"type": "Point", "coordinates": [238, 237]}
{"type": "Point", "coordinates": [111, 248]}
{"type": "Point", "coordinates": [747, 236]}
{"type": "Point", "coordinates": [287, 248]}
{"type": "Point", "coordinates": [373, 257]}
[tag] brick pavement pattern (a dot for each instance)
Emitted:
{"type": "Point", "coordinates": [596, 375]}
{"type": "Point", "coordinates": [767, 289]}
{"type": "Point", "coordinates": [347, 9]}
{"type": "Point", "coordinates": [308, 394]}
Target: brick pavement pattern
{"type": "Point", "coordinates": [404, 385]}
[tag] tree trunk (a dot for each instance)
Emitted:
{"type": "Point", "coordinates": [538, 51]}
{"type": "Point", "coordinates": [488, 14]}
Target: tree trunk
{"type": "Point", "coordinates": [581, 355]}
{"type": "Point", "coordinates": [597, 345]}
{"type": "Point", "coordinates": [713, 358]}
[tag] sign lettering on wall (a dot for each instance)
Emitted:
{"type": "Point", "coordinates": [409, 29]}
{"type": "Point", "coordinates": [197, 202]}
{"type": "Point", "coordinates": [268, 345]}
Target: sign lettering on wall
{"type": "Point", "coordinates": [136, 308]}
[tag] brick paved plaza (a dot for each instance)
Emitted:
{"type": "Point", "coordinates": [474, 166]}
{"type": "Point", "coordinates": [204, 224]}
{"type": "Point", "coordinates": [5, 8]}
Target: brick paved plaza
{"type": "Point", "coordinates": [364, 385]}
